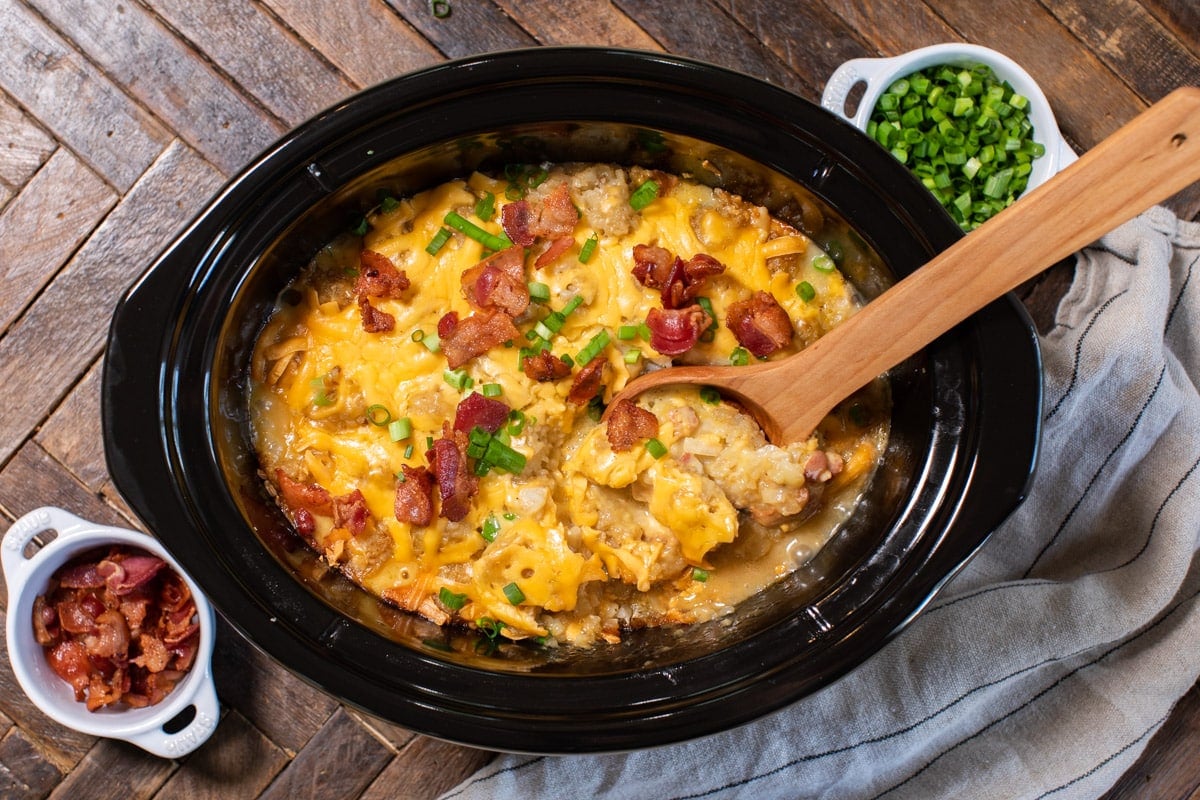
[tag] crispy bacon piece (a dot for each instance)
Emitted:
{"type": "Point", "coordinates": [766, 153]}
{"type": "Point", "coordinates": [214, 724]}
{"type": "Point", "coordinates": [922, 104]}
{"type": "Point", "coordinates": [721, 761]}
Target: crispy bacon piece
{"type": "Point", "coordinates": [414, 496]}
{"type": "Point", "coordinates": [551, 254]}
{"type": "Point", "coordinates": [82, 576]}
{"type": "Point", "coordinates": [498, 282]}
{"type": "Point", "coordinates": [378, 276]}
{"type": "Point", "coordinates": [475, 335]}
{"type": "Point", "coordinates": [477, 411]}
{"type": "Point", "coordinates": [760, 324]}
{"type": "Point", "coordinates": [678, 281]}
{"type": "Point", "coordinates": [447, 324]}
{"type": "Point", "coordinates": [675, 331]}
{"type": "Point", "coordinates": [587, 381]}
{"type": "Point", "coordinates": [309, 496]}
{"type": "Point", "coordinates": [69, 660]}
{"type": "Point", "coordinates": [545, 367]}
{"type": "Point", "coordinates": [122, 577]}
{"type": "Point", "coordinates": [553, 218]}
{"type": "Point", "coordinates": [374, 320]}
{"type": "Point", "coordinates": [629, 423]}
{"type": "Point", "coordinates": [350, 512]}
{"type": "Point", "coordinates": [456, 483]}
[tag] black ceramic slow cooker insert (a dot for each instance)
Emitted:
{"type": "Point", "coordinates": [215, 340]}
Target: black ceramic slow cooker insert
{"type": "Point", "coordinates": [965, 419]}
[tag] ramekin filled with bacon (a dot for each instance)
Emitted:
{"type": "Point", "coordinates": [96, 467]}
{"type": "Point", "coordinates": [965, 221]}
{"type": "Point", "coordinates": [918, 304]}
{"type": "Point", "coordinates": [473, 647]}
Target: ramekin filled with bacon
{"type": "Point", "coordinates": [107, 635]}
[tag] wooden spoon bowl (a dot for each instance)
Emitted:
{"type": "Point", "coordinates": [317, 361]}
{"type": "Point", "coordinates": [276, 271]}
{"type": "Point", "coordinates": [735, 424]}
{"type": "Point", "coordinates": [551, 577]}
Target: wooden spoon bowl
{"type": "Point", "coordinates": [1149, 159]}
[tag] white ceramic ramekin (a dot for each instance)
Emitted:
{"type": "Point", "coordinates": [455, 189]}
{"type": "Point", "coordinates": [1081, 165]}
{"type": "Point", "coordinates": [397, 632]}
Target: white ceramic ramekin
{"type": "Point", "coordinates": [879, 73]}
{"type": "Point", "coordinates": [190, 712]}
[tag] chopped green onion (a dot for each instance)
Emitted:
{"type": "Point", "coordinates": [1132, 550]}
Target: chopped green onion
{"type": "Point", "coordinates": [489, 627]}
{"type": "Point", "coordinates": [438, 241]}
{"type": "Point", "coordinates": [432, 342]}
{"type": "Point", "coordinates": [491, 527]}
{"type": "Point", "coordinates": [516, 421]}
{"type": "Point", "coordinates": [710, 395]}
{"type": "Point", "coordinates": [360, 226]}
{"type": "Point", "coordinates": [458, 378]}
{"type": "Point", "coordinates": [472, 231]}
{"type": "Point", "coordinates": [592, 348]}
{"type": "Point", "coordinates": [709, 333]}
{"type": "Point", "coordinates": [428, 442]}
{"type": "Point", "coordinates": [589, 247]}
{"type": "Point", "coordinates": [627, 332]}
{"type": "Point", "coordinates": [500, 456]}
{"type": "Point", "coordinates": [823, 263]}
{"type": "Point", "coordinates": [571, 305]}
{"type": "Point", "coordinates": [418, 335]}
{"type": "Point", "coordinates": [595, 408]}
{"type": "Point", "coordinates": [644, 331]}
{"type": "Point", "coordinates": [656, 448]}
{"type": "Point", "coordinates": [566, 359]}
{"type": "Point", "coordinates": [408, 451]}
{"type": "Point", "coordinates": [400, 429]}
{"type": "Point", "coordinates": [805, 291]}
{"type": "Point", "coordinates": [644, 195]}
{"type": "Point", "coordinates": [486, 207]}
{"type": "Point", "coordinates": [632, 356]}
{"type": "Point", "coordinates": [740, 357]}
{"type": "Point", "coordinates": [321, 396]}
{"type": "Point", "coordinates": [439, 8]}
{"type": "Point", "coordinates": [451, 600]}
{"type": "Point", "coordinates": [510, 516]}
{"type": "Point", "coordinates": [539, 292]}
{"type": "Point", "coordinates": [700, 575]}
{"type": "Point", "coordinates": [378, 414]}
{"type": "Point", "coordinates": [491, 390]}
{"type": "Point", "coordinates": [514, 594]}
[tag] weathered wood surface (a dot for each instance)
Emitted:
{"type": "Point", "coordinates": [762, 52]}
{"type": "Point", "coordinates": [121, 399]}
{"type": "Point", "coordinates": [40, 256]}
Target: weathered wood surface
{"type": "Point", "coordinates": [120, 118]}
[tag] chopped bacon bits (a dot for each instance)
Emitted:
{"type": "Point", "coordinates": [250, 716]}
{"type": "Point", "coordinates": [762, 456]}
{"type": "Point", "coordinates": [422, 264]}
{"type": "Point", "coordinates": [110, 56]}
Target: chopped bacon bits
{"type": "Point", "coordinates": [551, 254]}
{"type": "Point", "coordinates": [414, 496]}
{"type": "Point", "coordinates": [587, 381]}
{"type": "Point", "coordinates": [498, 282]}
{"type": "Point", "coordinates": [378, 276]}
{"type": "Point", "coordinates": [677, 280]}
{"type": "Point", "coordinates": [675, 331]}
{"type": "Point", "coordinates": [128, 638]}
{"type": "Point", "coordinates": [629, 423]}
{"type": "Point", "coordinates": [474, 335]}
{"type": "Point", "coordinates": [308, 496]}
{"type": "Point", "coordinates": [545, 367]}
{"type": "Point", "coordinates": [477, 411]}
{"type": "Point", "coordinates": [350, 512]}
{"type": "Point", "coordinates": [374, 320]}
{"type": "Point", "coordinates": [760, 324]}
{"type": "Point", "coordinates": [447, 324]}
{"type": "Point", "coordinates": [554, 217]}
{"type": "Point", "coordinates": [456, 484]}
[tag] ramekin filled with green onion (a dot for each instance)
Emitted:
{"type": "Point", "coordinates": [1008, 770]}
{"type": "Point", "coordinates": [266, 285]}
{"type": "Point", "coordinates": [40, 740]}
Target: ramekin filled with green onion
{"type": "Point", "coordinates": [969, 122]}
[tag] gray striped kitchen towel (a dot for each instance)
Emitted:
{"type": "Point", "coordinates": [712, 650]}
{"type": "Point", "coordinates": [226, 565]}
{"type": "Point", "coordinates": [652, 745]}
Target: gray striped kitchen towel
{"type": "Point", "coordinates": [1044, 667]}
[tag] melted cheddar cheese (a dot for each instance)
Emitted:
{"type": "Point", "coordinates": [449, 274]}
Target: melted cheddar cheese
{"type": "Point", "coordinates": [583, 540]}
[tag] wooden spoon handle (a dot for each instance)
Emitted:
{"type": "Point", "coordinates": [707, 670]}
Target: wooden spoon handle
{"type": "Point", "coordinates": [1152, 157]}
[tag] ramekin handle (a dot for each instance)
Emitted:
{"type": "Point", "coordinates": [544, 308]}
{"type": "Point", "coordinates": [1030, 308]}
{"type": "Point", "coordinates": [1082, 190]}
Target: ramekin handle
{"type": "Point", "coordinates": [22, 532]}
{"type": "Point", "coordinates": [195, 733]}
{"type": "Point", "coordinates": [845, 77]}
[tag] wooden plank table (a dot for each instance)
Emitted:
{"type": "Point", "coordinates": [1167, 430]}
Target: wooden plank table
{"type": "Point", "coordinates": [120, 118]}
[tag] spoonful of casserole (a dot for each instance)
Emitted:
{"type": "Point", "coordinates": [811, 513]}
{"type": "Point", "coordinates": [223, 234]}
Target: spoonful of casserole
{"type": "Point", "coordinates": [1146, 161]}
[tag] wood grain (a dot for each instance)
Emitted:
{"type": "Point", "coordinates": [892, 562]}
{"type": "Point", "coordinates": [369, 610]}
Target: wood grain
{"type": "Point", "coordinates": [72, 434]}
{"type": "Point", "coordinates": [342, 761]}
{"type": "Point", "coordinates": [557, 23]}
{"type": "Point", "coordinates": [114, 770]}
{"type": "Point", "coordinates": [24, 772]}
{"type": "Point", "coordinates": [24, 146]}
{"type": "Point", "coordinates": [122, 247]}
{"type": "Point", "coordinates": [425, 769]}
{"type": "Point", "coordinates": [238, 761]}
{"type": "Point", "coordinates": [182, 90]}
{"type": "Point", "coordinates": [384, 45]}
{"type": "Point", "coordinates": [259, 54]}
{"type": "Point", "coordinates": [40, 229]}
{"type": "Point", "coordinates": [470, 27]}
{"type": "Point", "coordinates": [76, 102]}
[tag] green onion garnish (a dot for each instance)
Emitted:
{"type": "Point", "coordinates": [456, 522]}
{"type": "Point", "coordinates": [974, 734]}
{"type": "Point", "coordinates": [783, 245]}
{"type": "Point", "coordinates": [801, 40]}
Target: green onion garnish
{"type": "Point", "coordinates": [823, 263]}
{"type": "Point", "coordinates": [700, 575]}
{"type": "Point", "coordinates": [491, 527]}
{"type": "Point", "coordinates": [514, 594]}
{"type": "Point", "coordinates": [472, 231]}
{"type": "Point", "coordinates": [632, 356]}
{"type": "Point", "coordinates": [805, 291]}
{"type": "Point", "coordinates": [321, 395]}
{"type": "Point", "coordinates": [408, 451]}
{"type": "Point", "coordinates": [566, 359]}
{"type": "Point", "coordinates": [644, 331]}
{"type": "Point", "coordinates": [589, 247]}
{"type": "Point", "coordinates": [451, 600]}
{"type": "Point", "coordinates": [432, 342]}
{"type": "Point", "coordinates": [710, 395]}
{"type": "Point", "coordinates": [539, 292]}
{"type": "Point", "coordinates": [643, 195]}
{"type": "Point", "coordinates": [360, 226]}
{"type": "Point", "coordinates": [491, 389]}
{"type": "Point", "coordinates": [656, 448]}
{"type": "Point", "coordinates": [627, 332]}
{"type": "Point", "coordinates": [592, 348]}
{"type": "Point", "coordinates": [504, 458]}
{"type": "Point", "coordinates": [709, 333]}
{"type": "Point", "coordinates": [378, 414]}
{"type": "Point", "coordinates": [400, 429]}
{"type": "Point", "coordinates": [438, 241]}
{"type": "Point", "coordinates": [516, 421]}
{"type": "Point", "coordinates": [458, 378]}
{"type": "Point", "coordinates": [418, 335]}
{"type": "Point", "coordinates": [740, 357]}
{"type": "Point", "coordinates": [486, 207]}
{"type": "Point", "coordinates": [572, 304]}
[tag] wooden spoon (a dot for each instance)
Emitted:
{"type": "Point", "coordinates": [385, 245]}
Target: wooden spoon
{"type": "Point", "coordinates": [1149, 159]}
